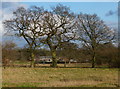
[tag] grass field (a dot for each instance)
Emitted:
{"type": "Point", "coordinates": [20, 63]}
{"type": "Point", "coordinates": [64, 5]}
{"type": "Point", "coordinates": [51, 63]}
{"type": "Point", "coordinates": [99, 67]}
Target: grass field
{"type": "Point", "coordinates": [59, 77]}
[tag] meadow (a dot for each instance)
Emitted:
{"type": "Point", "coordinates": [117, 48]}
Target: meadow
{"type": "Point", "coordinates": [59, 77]}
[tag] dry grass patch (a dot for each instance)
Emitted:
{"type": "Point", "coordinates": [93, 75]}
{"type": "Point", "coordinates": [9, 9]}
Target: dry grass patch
{"type": "Point", "coordinates": [59, 77]}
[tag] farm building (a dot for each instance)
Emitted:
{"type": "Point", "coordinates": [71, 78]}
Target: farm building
{"type": "Point", "coordinates": [48, 59]}
{"type": "Point", "coordinates": [44, 59]}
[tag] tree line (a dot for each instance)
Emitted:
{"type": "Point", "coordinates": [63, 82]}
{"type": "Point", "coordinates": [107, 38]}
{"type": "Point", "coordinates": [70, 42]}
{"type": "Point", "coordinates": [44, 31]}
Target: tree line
{"type": "Point", "coordinates": [106, 54]}
{"type": "Point", "coordinates": [58, 28]}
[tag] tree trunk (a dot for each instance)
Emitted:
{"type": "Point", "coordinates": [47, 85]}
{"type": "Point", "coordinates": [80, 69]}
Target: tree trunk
{"type": "Point", "coordinates": [54, 60]}
{"type": "Point", "coordinates": [65, 64]}
{"type": "Point", "coordinates": [93, 60]}
{"type": "Point", "coordinates": [69, 62]}
{"type": "Point", "coordinates": [32, 60]}
{"type": "Point", "coordinates": [93, 52]}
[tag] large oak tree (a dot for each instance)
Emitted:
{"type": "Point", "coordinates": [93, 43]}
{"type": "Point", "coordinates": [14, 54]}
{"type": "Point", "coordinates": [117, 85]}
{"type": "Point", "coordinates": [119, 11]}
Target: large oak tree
{"type": "Point", "coordinates": [58, 27]}
{"type": "Point", "coordinates": [25, 24]}
{"type": "Point", "coordinates": [92, 32]}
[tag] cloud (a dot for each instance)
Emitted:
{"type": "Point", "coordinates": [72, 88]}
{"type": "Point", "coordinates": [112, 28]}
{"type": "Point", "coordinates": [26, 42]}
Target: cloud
{"type": "Point", "coordinates": [12, 5]}
{"type": "Point", "coordinates": [7, 4]}
{"type": "Point", "coordinates": [8, 8]}
{"type": "Point", "coordinates": [6, 12]}
{"type": "Point", "coordinates": [12, 0]}
{"type": "Point", "coordinates": [112, 24]}
{"type": "Point", "coordinates": [110, 13]}
{"type": "Point", "coordinates": [1, 27]}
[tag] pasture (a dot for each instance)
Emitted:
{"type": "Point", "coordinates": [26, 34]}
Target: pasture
{"type": "Point", "coordinates": [59, 77]}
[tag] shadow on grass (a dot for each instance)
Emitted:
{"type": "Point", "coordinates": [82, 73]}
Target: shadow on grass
{"type": "Point", "coordinates": [27, 66]}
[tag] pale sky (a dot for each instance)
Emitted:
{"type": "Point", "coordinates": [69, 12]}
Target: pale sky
{"type": "Point", "coordinates": [107, 11]}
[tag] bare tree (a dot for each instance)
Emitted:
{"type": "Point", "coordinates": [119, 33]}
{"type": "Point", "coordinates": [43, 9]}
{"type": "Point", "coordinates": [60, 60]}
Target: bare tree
{"type": "Point", "coordinates": [93, 31]}
{"type": "Point", "coordinates": [58, 27]}
{"type": "Point", "coordinates": [25, 23]}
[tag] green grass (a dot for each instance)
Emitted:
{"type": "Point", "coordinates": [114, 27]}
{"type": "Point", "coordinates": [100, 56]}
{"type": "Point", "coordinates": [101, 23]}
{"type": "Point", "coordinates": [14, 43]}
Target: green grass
{"type": "Point", "coordinates": [60, 77]}
{"type": "Point", "coordinates": [76, 65]}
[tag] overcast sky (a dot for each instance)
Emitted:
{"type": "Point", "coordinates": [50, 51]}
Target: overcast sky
{"type": "Point", "coordinates": [107, 11]}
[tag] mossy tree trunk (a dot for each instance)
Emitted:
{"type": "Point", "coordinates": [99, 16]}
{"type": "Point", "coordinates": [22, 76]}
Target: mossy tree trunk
{"type": "Point", "coordinates": [32, 65]}
{"type": "Point", "coordinates": [53, 52]}
{"type": "Point", "coordinates": [32, 60]}
{"type": "Point", "coordinates": [54, 59]}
